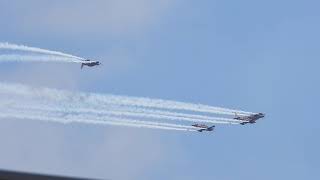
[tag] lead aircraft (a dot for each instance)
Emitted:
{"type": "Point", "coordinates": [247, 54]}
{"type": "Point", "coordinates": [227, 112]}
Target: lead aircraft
{"type": "Point", "coordinates": [90, 63]}
{"type": "Point", "coordinates": [249, 119]}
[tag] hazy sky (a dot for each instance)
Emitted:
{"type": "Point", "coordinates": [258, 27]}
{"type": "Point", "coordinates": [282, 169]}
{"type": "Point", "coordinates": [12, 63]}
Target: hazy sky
{"type": "Point", "coordinates": [251, 55]}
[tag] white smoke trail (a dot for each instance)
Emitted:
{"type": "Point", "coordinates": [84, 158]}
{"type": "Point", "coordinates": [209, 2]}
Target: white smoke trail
{"type": "Point", "coordinates": [58, 117]}
{"type": "Point", "coordinates": [115, 123]}
{"type": "Point", "coordinates": [164, 117]}
{"type": "Point", "coordinates": [160, 104]}
{"type": "Point", "coordinates": [36, 50]}
{"type": "Point", "coordinates": [180, 116]}
{"type": "Point", "coordinates": [105, 101]}
{"type": "Point", "coordinates": [81, 107]}
{"type": "Point", "coordinates": [37, 58]}
{"type": "Point", "coordinates": [125, 113]}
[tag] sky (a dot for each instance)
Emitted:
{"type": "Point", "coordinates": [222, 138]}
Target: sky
{"type": "Point", "coordinates": [250, 55]}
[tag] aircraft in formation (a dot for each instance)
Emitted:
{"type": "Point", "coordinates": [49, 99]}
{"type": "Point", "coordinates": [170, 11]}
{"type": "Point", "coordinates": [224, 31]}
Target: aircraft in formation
{"type": "Point", "coordinates": [203, 127]}
{"type": "Point", "coordinates": [90, 63]}
{"type": "Point", "coordinates": [251, 119]}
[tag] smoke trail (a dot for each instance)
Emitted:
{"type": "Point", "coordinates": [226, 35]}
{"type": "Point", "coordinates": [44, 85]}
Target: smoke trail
{"type": "Point", "coordinates": [180, 116]}
{"type": "Point", "coordinates": [36, 50]}
{"type": "Point", "coordinates": [58, 117]}
{"type": "Point", "coordinates": [127, 113]}
{"type": "Point", "coordinates": [82, 107]}
{"type": "Point", "coordinates": [66, 106]}
{"type": "Point", "coordinates": [37, 58]}
{"type": "Point", "coordinates": [160, 104]}
{"type": "Point", "coordinates": [167, 104]}
{"type": "Point", "coordinates": [164, 117]}
{"type": "Point", "coordinates": [115, 123]}
{"type": "Point", "coordinates": [105, 101]}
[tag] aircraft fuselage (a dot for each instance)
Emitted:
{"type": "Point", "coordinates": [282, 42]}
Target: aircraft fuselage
{"type": "Point", "coordinates": [90, 63]}
{"type": "Point", "coordinates": [203, 127]}
{"type": "Point", "coordinates": [250, 119]}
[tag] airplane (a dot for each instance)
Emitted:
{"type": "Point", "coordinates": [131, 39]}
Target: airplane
{"type": "Point", "coordinates": [90, 63]}
{"type": "Point", "coordinates": [249, 119]}
{"type": "Point", "coordinates": [203, 127]}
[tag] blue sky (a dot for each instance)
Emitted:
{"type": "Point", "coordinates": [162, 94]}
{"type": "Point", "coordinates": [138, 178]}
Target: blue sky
{"type": "Point", "coordinates": [250, 55]}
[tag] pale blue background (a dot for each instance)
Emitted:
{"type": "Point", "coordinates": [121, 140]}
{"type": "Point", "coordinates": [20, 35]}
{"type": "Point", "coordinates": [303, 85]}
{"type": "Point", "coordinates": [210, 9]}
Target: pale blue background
{"type": "Point", "coordinates": [251, 55]}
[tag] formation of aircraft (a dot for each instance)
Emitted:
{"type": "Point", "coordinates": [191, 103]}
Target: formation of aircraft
{"type": "Point", "coordinates": [90, 63]}
{"type": "Point", "coordinates": [249, 119]}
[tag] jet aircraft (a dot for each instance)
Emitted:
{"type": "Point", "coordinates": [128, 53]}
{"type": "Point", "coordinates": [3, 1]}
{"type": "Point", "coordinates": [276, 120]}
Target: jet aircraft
{"type": "Point", "coordinates": [90, 63]}
{"type": "Point", "coordinates": [249, 119]}
{"type": "Point", "coordinates": [203, 127]}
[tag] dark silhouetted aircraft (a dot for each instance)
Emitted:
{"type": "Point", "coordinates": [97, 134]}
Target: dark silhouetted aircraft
{"type": "Point", "coordinates": [203, 127]}
{"type": "Point", "coordinates": [249, 119]}
{"type": "Point", "coordinates": [90, 63]}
